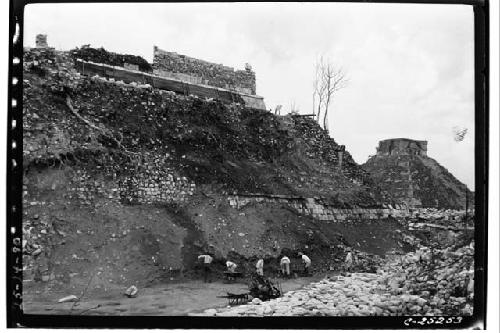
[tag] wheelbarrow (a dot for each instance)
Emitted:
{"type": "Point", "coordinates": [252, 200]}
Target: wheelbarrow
{"type": "Point", "coordinates": [234, 299]}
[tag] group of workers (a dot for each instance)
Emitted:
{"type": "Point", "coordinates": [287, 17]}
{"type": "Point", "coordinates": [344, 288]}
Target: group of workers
{"type": "Point", "coordinates": [349, 263]}
{"type": "Point", "coordinates": [207, 259]}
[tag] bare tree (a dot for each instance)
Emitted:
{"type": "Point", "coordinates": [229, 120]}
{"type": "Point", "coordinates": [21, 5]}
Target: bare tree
{"type": "Point", "coordinates": [277, 110]}
{"type": "Point", "coordinates": [327, 81]}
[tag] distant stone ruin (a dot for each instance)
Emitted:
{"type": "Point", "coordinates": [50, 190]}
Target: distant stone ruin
{"type": "Point", "coordinates": [403, 170]}
{"type": "Point", "coordinates": [402, 146]}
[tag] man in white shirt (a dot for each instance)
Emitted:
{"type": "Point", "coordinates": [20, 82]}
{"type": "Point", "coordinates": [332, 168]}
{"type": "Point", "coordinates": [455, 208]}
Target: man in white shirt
{"type": "Point", "coordinates": [306, 261]}
{"type": "Point", "coordinates": [231, 266]}
{"type": "Point", "coordinates": [260, 267]}
{"type": "Point", "coordinates": [207, 260]}
{"type": "Point", "coordinates": [285, 266]}
{"type": "Point", "coordinates": [349, 261]}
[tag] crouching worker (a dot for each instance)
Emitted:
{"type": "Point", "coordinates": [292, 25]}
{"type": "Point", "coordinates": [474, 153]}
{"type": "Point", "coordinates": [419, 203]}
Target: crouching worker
{"type": "Point", "coordinates": [206, 259]}
{"type": "Point", "coordinates": [306, 261]}
{"type": "Point", "coordinates": [285, 266]}
{"type": "Point", "coordinates": [231, 266]}
{"type": "Point", "coordinates": [260, 267]}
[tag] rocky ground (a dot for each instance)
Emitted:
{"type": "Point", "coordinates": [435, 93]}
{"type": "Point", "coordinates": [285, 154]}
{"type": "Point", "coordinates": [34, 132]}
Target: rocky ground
{"type": "Point", "coordinates": [96, 220]}
{"type": "Point", "coordinates": [426, 283]}
{"type": "Point", "coordinates": [174, 299]}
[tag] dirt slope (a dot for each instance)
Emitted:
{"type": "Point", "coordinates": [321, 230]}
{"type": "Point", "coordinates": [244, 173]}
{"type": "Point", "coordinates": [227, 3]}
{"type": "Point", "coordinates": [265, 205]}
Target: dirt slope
{"type": "Point", "coordinates": [128, 185]}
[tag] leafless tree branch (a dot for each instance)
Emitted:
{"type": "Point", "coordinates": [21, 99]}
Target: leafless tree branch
{"type": "Point", "coordinates": [327, 81]}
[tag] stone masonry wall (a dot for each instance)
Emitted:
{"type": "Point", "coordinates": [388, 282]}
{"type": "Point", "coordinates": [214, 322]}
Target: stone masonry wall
{"type": "Point", "coordinates": [315, 208]}
{"type": "Point", "coordinates": [402, 147]}
{"type": "Point", "coordinates": [171, 64]}
{"type": "Point", "coordinates": [327, 213]}
{"type": "Point", "coordinates": [154, 187]}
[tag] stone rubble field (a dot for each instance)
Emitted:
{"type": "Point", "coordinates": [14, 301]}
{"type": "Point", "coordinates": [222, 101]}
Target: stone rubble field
{"type": "Point", "coordinates": [416, 284]}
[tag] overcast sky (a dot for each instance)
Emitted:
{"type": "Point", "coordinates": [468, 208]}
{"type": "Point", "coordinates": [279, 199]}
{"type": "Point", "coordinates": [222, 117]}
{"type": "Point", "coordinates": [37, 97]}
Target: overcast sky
{"type": "Point", "coordinates": [410, 67]}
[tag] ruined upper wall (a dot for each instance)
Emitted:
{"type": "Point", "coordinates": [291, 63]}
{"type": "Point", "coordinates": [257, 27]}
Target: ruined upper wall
{"type": "Point", "coordinates": [402, 146]}
{"type": "Point", "coordinates": [171, 64]}
{"type": "Point", "coordinates": [41, 41]}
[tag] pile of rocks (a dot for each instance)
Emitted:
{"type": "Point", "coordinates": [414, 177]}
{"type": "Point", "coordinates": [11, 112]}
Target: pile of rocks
{"type": "Point", "coordinates": [450, 216]}
{"type": "Point", "coordinates": [322, 146]}
{"type": "Point", "coordinates": [102, 56]}
{"type": "Point", "coordinates": [443, 276]}
{"type": "Point", "coordinates": [399, 289]}
{"type": "Point", "coordinates": [361, 294]}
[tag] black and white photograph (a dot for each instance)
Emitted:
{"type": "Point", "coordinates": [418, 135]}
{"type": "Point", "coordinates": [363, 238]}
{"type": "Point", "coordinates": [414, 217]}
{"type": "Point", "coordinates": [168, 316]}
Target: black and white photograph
{"type": "Point", "coordinates": [251, 160]}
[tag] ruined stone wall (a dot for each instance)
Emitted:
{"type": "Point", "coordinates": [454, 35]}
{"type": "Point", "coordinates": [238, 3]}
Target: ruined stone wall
{"type": "Point", "coordinates": [171, 64]}
{"type": "Point", "coordinates": [41, 41]}
{"type": "Point", "coordinates": [322, 146]}
{"type": "Point", "coordinates": [178, 83]}
{"type": "Point", "coordinates": [144, 188]}
{"type": "Point", "coordinates": [402, 147]}
{"type": "Point", "coordinates": [402, 169]}
{"type": "Point", "coordinates": [149, 184]}
{"type": "Point", "coordinates": [317, 209]}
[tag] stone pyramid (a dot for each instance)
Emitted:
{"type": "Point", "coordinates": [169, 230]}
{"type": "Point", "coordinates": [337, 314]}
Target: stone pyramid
{"type": "Point", "coordinates": [402, 169]}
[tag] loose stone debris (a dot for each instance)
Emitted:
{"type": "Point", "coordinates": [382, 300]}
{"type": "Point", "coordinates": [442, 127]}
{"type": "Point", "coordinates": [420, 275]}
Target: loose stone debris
{"type": "Point", "coordinates": [131, 292]}
{"type": "Point", "coordinates": [70, 298]}
{"type": "Point", "coordinates": [404, 286]}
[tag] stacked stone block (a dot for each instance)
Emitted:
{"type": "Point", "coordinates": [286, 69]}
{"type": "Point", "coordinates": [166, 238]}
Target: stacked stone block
{"type": "Point", "coordinates": [170, 64]}
{"type": "Point", "coordinates": [402, 147]}
{"type": "Point", "coordinates": [315, 208]}
{"type": "Point", "coordinates": [152, 188]}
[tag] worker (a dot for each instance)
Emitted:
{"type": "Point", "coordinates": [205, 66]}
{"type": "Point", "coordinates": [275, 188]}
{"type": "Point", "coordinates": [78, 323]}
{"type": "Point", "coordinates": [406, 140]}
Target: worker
{"type": "Point", "coordinates": [355, 258]}
{"type": "Point", "coordinates": [260, 267]}
{"type": "Point", "coordinates": [348, 261]}
{"type": "Point", "coordinates": [231, 266]}
{"type": "Point", "coordinates": [285, 266]}
{"type": "Point", "coordinates": [207, 260]}
{"type": "Point", "coordinates": [306, 261]}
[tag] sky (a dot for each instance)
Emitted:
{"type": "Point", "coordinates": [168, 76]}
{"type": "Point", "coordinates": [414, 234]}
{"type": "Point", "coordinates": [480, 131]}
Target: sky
{"type": "Point", "coordinates": [410, 66]}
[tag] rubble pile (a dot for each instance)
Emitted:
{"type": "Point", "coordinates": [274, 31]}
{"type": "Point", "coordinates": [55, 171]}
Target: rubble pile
{"type": "Point", "coordinates": [445, 277]}
{"type": "Point", "coordinates": [100, 55]}
{"type": "Point", "coordinates": [452, 218]}
{"type": "Point", "coordinates": [322, 146]}
{"type": "Point", "coordinates": [402, 287]}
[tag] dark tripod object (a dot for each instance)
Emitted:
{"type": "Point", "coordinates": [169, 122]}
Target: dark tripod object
{"type": "Point", "coordinates": [262, 288]}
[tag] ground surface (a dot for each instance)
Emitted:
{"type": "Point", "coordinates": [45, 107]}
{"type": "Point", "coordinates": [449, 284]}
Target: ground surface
{"type": "Point", "coordinates": [174, 299]}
